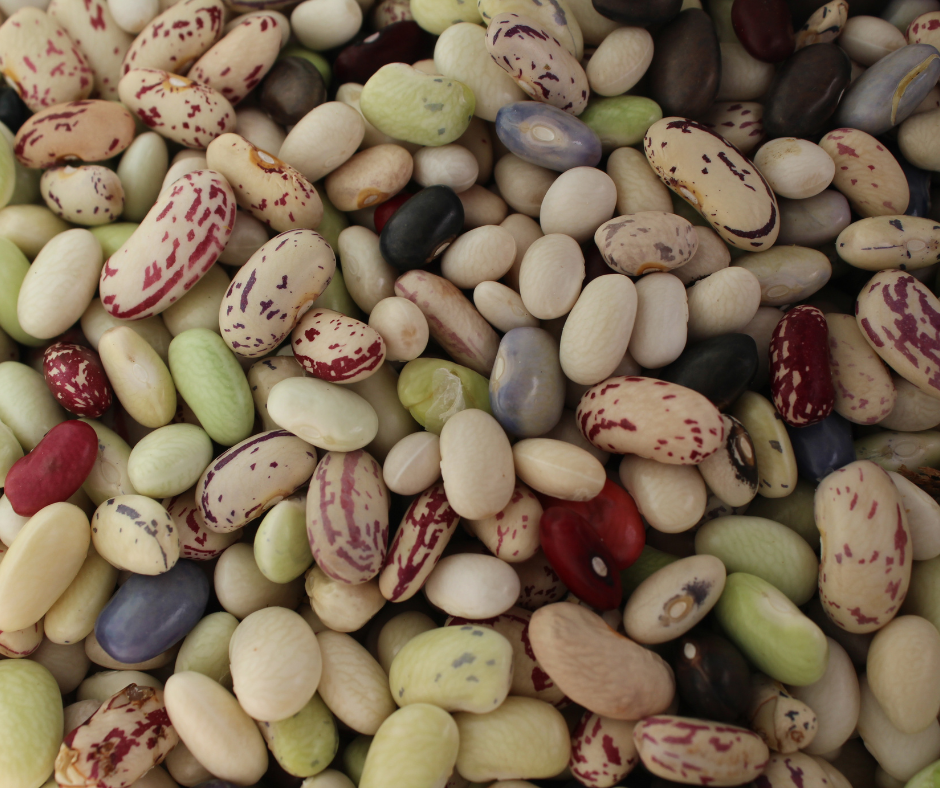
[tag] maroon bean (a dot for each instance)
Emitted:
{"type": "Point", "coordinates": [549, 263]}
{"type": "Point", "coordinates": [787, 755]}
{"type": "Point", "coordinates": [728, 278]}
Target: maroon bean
{"type": "Point", "coordinates": [77, 379]}
{"type": "Point", "coordinates": [799, 363]}
{"type": "Point", "coordinates": [764, 28]}
{"type": "Point", "coordinates": [402, 42]}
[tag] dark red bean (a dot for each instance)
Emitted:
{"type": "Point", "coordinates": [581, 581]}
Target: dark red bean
{"type": "Point", "coordinates": [764, 28]}
{"type": "Point", "coordinates": [799, 367]}
{"type": "Point", "coordinates": [615, 519]}
{"type": "Point", "coordinates": [402, 42]}
{"type": "Point", "coordinates": [77, 379]}
{"type": "Point", "coordinates": [54, 470]}
{"type": "Point", "coordinates": [580, 558]}
{"type": "Point", "coordinates": [384, 212]}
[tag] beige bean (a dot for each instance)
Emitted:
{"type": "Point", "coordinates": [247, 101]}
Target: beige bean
{"type": "Point", "coordinates": [722, 303]}
{"type": "Point", "coordinates": [323, 139]}
{"type": "Point", "coordinates": [743, 78]}
{"type": "Point", "coordinates": [370, 177]}
{"type": "Point", "coordinates": [712, 255]}
{"type": "Point", "coordinates": [340, 606]}
{"type": "Point", "coordinates": [413, 464]}
{"type": "Point", "coordinates": [481, 207]}
{"type": "Point", "coordinates": [550, 276]}
{"type": "Point", "coordinates": [72, 617]}
{"type": "Point", "coordinates": [620, 61]}
{"type": "Point", "coordinates": [638, 188]}
{"type": "Point", "coordinates": [578, 202]}
{"type": "Point", "coordinates": [181, 167]}
{"type": "Point", "coordinates": [795, 168]}
{"type": "Point", "coordinates": [483, 254]}
{"type": "Point", "coordinates": [477, 464]}
{"type": "Point", "coordinates": [672, 498]}
{"type": "Point", "coordinates": [140, 379]}
{"type": "Point", "coordinates": [448, 165]}
{"type": "Point", "coordinates": [913, 409]}
{"type": "Point", "coordinates": [525, 231]}
{"type": "Point", "coordinates": [522, 185]}
{"type": "Point", "coordinates": [472, 586]}
{"type": "Point", "coordinates": [96, 320]}
{"type": "Point", "coordinates": [502, 306]}
{"type": "Point", "coordinates": [867, 39]}
{"type": "Point", "coordinates": [401, 324]}
{"type": "Point", "coordinates": [199, 308]}
{"type": "Point", "coordinates": [248, 236]}
{"type": "Point", "coordinates": [559, 469]}
{"type": "Point", "coordinates": [257, 127]}
{"type": "Point", "coordinates": [30, 227]}
{"type": "Point", "coordinates": [242, 589]}
{"type": "Point", "coordinates": [325, 24]}
{"type": "Point", "coordinates": [661, 326]}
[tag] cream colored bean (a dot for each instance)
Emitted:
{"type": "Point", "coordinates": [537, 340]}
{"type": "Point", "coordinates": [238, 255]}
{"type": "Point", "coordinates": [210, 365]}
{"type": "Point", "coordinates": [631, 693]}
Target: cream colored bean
{"type": "Point", "coordinates": [215, 728]}
{"type": "Point", "coordinates": [449, 165]}
{"type": "Point", "coordinates": [263, 376]}
{"type": "Point", "coordinates": [368, 278]}
{"type": "Point", "coordinates": [596, 667]}
{"type": "Point", "coordinates": [795, 168]}
{"type": "Point", "coordinates": [353, 684]}
{"type": "Point", "coordinates": [913, 409]}
{"type": "Point", "coordinates": [867, 39]}
{"type": "Point", "coordinates": [140, 379]}
{"type": "Point", "coordinates": [712, 255]}
{"type": "Point", "coordinates": [477, 464]}
{"type": "Point", "coordinates": [460, 53]}
{"type": "Point", "coordinates": [550, 276]}
{"type": "Point", "coordinates": [662, 315]}
{"type": "Point", "coordinates": [787, 274]}
{"type": "Point", "coordinates": [452, 320]}
{"type": "Point", "coordinates": [866, 173]}
{"type": "Point", "coordinates": [324, 139]}
{"type": "Point", "coordinates": [481, 255]}
{"type": "Point", "coordinates": [89, 195]}
{"type": "Point", "coordinates": [722, 303]}
{"type": "Point", "coordinates": [136, 533]}
{"type": "Point", "coordinates": [30, 227]}
{"type": "Point", "coordinates": [413, 464]}
{"type": "Point", "coordinates": [340, 606]}
{"type": "Point", "coordinates": [638, 188]}
{"type": "Point", "coordinates": [325, 24]}
{"type": "Point", "coordinates": [255, 126]}
{"type": "Point", "coordinates": [73, 615]}
{"type": "Point", "coordinates": [183, 767]}
{"type": "Point", "coordinates": [479, 141]}
{"type": "Point", "coordinates": [330, 417]}
{"type": "Point", "coordinates": [481, 207]}
{"type": "Point", "coordinates": [60, 284]}
{"type": "Point", "coordinates": [397, 631]}
{"type": "Point", "coordinates": [133, 16]}
{"type": "Point", "coordinates": [620, 61]}
{"type": "Point", "coordinates": [743, 78]}
{"type": "Point", "coordinates": [525, 231]}
{"type": "Point", "coordinates": [502, 306]}
{"type": "Point", "coordinates": [109, 475]}
{"type": "Point", "coordinates": [901, 755]}
{"type": "Point", "coordinates": [598, 329]}
{"type": "Point", "coordinates": [401, 324]}
{"type": "Point", "coordinates": [45, 558]}
{"type": "Point", "coordinates": [578, 202]}
{"type": "Point", "coordinates": [522, 185]}
{"type": "Point", "coordinates": [472, 586]}
{"type": "Point", "coordinates": [524, 737]}
{"type": "Point", "coordinates": [558, 469]}
{"type": "Point", "coordinates": [242, 589]}
{"type": "Point", "coordinates": [67, 664]}
{"type": "Point", "coordinates": [199, 308]}
{"type": "Point", "coordinates": [672, 498]}
{"type": "Point", "coordinates": [275, 663]}
{"type": "Point", "coordinates": [370, 177]}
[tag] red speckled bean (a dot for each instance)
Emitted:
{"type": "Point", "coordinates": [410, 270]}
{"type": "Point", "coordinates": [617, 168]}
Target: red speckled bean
{"type": "Point", "coordinates": [176, 107]}
{"type": "Point", "coordinates": [652, 418]}
{"type": "Point", "coordinates": [177, 37]}
{"type": "Point", "coordinates": [699, 752]}
{"type": "Point", "coordinates": [347, 516]}
{"type": "Point", "coordinates": [127, 736]}
{"type": "Point", "coordinates": [77, 379]}
{"type": "Point", "coordinates": [171, 249]}
{"type": "Point", "coordinates": [83, 130]}
{"type": "Point", "coordinates": [865, 547]}
{"type": "Point", "coordinates": [196, 541]}
{"type": "Point", "coordinates": [336, 348]}
{"type": "Point", "coordinates": [422, 536]}
{"type": "Point", "coordinates": [799, 366]}
{"type": "Point", "coordinates": [41, 62]}
{"type": "Point", "coordinates": [602, 750]}
{"type": "Point", "coordinates": [54, 470]}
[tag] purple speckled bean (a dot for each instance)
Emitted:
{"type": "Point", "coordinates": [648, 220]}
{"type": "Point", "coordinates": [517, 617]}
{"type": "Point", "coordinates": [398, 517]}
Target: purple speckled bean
{"type": "Point", "coordinates": [347, 516]}
{"type": "Point", "coordinates": [865, 547]}
{"type": "Point", "coordinates": [900, 318]}
{"type": "Point", "coordinates": [278, 284]}
{"type": "Point", "coordinates": [251, 477]}
{"type": "Point", "coordinates": [538, 62]}
{"type": "Point", "coordinates": [422, 536]}
{"type": "Point", "coordinates": [454, 322]}
{"type": "Point", "coordinates": [128, 735]}
{"type": "Point", "coordinates": [171, 249]}
{"type": "Point", "coordinates": [197, 542]}
{"type": "Point", "coordinates": [337, 348]}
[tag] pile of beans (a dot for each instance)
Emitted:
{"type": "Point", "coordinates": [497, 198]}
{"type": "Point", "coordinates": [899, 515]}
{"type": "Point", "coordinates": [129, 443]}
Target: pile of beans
{"type": "Point", "coordinates": [442, 393]}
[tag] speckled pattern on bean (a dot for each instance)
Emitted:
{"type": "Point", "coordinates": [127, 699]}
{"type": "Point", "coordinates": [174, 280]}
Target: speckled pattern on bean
{"type": "Point", "coordinates": [419, 542]}
{"type": "Point", "coordinates": [89, 195]}
{"type": "Point", "coordinates": [177, 37]}
{"type": "Point", "coordinates": [739, 122]}
{"type": "Point", "coordinates": [337, 348]}
{"type": "Point", "coordinates": [647, 241]}
{"type": "Point", "coordinates": [799, 363]}
{"type": "Point", "coordinates": [197, 542]}
{"type": "Point", "coordinates": [77, 379]}
{"type": "Point", "coordinates": [347, 516]}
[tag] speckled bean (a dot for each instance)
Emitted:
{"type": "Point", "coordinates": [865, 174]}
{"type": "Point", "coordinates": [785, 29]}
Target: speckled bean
{"type": "Point", "coordinates": [201, 24]}
{"type": "Point", "coordinates": [866, 173]}
{"type": "Point", "coordinates": [135, 533]}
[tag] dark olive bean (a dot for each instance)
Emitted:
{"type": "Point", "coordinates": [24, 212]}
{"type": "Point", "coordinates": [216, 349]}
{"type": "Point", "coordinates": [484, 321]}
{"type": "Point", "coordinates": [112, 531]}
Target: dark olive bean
{"type": "Point", "coordinates": [13, 112]}
{"type": "Point", "coordinates": [686, 68]}
{"type": "Point", "coordinates": [422, 228]}
{"type": "Point", "coordinates": [402, 42]}
{"type": "Point", "coordinates": [764, 28]}
{"type": "Point", "coordinates": [712, 677]}
{"type": "Point", "coordinates": [291, 89]}
{"type": "Point", "coordinates": [806, 91]}
{"type": "Point", "coordinates": [720, 368]}
{"type": "Point", "coordinates": [638, 12]}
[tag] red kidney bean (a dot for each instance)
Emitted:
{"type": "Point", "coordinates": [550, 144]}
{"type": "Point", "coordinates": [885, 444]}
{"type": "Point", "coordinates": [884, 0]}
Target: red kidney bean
{"type": "Point", "coordinates": [384, 212]}
{"type": "Point", "coordinates": [54, 470]}
{"type": "Point", "coordinates": [614, 517]}
{"type": "Point", "coordinates": [799, 364]}
{"type": "Point", "coordinates": [764, 28]}
{"type": "Point", "coordinates": [580, 558]}
{"type": "Point", "coordinates": [402, 42]}
{"type": "Point", "coordinates": [77, 379]}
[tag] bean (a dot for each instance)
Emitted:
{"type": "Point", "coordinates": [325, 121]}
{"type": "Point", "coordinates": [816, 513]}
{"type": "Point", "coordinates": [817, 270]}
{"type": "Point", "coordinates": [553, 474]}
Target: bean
{"type": "Point", "coordinates": [33, 722]}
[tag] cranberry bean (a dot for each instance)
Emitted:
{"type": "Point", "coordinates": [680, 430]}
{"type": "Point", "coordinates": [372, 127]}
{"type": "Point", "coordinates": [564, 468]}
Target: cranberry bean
{"type": "Point", "coordinates": [799, 364]}
{"type": "Point", "coordinates": [76, 378]}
